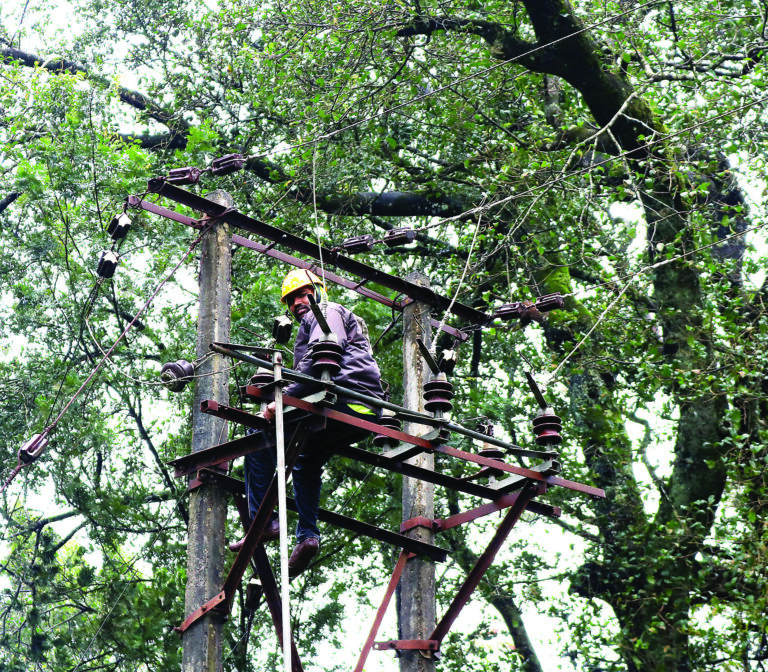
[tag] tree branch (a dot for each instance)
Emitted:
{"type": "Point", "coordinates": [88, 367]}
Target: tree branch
{"type": "Point", "coordinates": [137, 100]}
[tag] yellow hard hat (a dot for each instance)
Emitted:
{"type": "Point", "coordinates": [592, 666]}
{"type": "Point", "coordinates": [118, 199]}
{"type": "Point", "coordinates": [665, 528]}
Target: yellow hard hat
{"type": "Point", "coordinates": [298, 278]}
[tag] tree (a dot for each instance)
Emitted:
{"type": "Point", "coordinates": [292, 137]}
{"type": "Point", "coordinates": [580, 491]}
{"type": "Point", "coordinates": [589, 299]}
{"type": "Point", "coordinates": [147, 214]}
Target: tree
{"type": "Point", "coordinates": [603, 150]}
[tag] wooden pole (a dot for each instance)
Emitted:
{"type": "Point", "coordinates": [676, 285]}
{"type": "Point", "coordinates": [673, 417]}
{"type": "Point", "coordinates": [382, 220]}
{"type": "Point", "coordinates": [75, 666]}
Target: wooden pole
{"type": "Point", "coordinates": [201, 645]}
{"type": "Point", "coordinates": [417, 586]}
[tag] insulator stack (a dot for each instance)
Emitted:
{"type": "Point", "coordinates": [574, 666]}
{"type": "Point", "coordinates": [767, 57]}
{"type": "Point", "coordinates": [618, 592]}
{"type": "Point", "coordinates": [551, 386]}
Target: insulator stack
{"type": "Point", "coordinates": [33, 448]}
{"type": "Point", "coordinates": [547, 427]}
{"type": "Point", "coordinates": [382, 441]}
{"type": "Point", "coordinates": [225, 165]}
{"type": "Point", "coordinates": [399, 236]}
{"type": "Point", "coordinates": [182, 176]}
{"type": "Point", "coordinates": [438, 393]}
{"type": "Point", "coordinates": [326, 356]}
{"type": "Point", "coordinates": [253, 594]}
{"type": "Point", "coordinates": [107, 264]}
{"type": "Point", "coordinates": [358, 244]}
{"type": "Point", "coordinates": [176, 375]}
{"type": "Point", "coordinates": [119, 226]}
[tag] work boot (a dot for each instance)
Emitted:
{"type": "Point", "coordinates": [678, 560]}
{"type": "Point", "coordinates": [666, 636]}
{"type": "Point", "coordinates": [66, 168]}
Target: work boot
{"type": "Point", "coordinates": [302, 554]}
{"type": "Point", "coordinates": [272, 532]}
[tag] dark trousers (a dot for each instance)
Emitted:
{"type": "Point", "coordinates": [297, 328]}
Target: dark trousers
{"type": "Point", "coordinates": [308, 472]}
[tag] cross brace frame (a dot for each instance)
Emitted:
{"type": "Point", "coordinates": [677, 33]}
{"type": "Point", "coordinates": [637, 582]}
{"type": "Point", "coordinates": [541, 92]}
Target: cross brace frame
{"type": "Point", "coordinates": [531, 482]}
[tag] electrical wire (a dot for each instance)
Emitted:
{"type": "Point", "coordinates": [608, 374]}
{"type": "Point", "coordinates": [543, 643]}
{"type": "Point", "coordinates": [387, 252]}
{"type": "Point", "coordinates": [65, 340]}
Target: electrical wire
{"type": "Point", "coordinates": [324, 302]}
{"type": "Point", "coordinates": [130, 566]}
{"type": "Point", "coordinates": [551, 377]}
{"type": "Point", "coordinates": [458, 289]}
{"type": "Point", "coordinates": [50, 427]}
{"type": "Point", "coordinates": [648, 145]}
{"type": "Point", "coordinates": [664, 262]}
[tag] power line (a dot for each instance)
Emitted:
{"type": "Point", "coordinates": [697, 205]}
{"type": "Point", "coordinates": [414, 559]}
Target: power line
{"type": "Point", "coordinates": [652, 143]}
{"type": "Point", "coordinates": [40, 440]}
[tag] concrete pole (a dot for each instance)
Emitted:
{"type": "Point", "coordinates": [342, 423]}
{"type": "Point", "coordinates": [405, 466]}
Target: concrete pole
{"type": "Point", "coordinates": [201, 645]}
{"type": "Point", "coordinates": [417, 586]}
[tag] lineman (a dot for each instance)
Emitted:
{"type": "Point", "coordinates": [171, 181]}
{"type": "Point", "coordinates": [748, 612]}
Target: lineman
{"type": "Point", "coordinates": [359, 372]}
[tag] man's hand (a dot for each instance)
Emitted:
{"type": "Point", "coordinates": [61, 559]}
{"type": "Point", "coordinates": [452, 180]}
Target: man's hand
{"type": "Point", "coordinates": [269, 412]}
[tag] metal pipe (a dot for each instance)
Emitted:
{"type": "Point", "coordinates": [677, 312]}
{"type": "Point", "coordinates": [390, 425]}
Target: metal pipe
{"type": "Point", "coordinates": [430, 421]}
{"type": "Point", "coordinates": [282, 517]}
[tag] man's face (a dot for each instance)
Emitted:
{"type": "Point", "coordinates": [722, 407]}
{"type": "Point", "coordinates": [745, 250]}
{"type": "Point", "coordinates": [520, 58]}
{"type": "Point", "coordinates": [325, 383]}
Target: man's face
{"type": "Point", "coordinates": [298, 301]}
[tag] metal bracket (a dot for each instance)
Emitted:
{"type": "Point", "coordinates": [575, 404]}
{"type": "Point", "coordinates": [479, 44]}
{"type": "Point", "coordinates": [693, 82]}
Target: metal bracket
{"type": "Point", "coordinates": [408, 644]}
{"type": "Point", "coordinates": [420, 521]}
{"type": "Point", "coordinates": [428, 358]}
{"type": "Point", "coordinates": [198, 613]}
{"type": "Point", "coordinates": [542, 402]}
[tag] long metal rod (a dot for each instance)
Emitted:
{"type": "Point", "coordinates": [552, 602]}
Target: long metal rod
{"type": "Point", "coordinates": [428, 420]}
{"type": "Point", "coordinates": [311, 249]}
{"type": "Point", "coordinates": [282, 516]}
{"type": "Point", "coordinates": [272, 597]}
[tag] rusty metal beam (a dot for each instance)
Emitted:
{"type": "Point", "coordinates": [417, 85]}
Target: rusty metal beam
{"type": "Point", "coordinates": [382, 610]}
{"type": "Point", "coordinates": [313, 250]}
{"type": "Point", "coordinates": [237, 487]}
{"type": "Point", "coordinates": [230, 450]}
{"type": "Point", "coordinates": [339, 280]}
{"type": "Point", "coordinates": [408, 644]}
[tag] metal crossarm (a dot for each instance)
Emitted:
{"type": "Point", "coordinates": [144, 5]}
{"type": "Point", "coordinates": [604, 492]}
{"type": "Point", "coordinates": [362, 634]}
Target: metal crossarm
{"type": "Point", "coordinates": [313, 250]}
{"type": "Point", "coordinates": [231, 450]}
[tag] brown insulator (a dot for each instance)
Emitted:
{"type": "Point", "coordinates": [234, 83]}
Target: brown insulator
{"type": "Point", "coordinates": [327, 355]}
{"type": "Point", "coordinates": [175, 375]}
{"type": "Point", "coordinates": [261, 378]}
{"type": "Point", "coordinates": [382, 441]}
{"type": "Point", "coordinates": [547, 427]}
{"type": "Point", "coordinates": [438, 393]}
{"type": "Point", "coordinates": [253, 594]}
{"type": "Point", "coordinates": [491, 452]}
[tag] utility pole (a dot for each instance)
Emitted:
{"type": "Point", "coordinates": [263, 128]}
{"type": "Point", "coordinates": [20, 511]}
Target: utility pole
{"type": "Point", "coordinates": [417, 585]}
{"type": "Point", "coordinates": [201, 644]}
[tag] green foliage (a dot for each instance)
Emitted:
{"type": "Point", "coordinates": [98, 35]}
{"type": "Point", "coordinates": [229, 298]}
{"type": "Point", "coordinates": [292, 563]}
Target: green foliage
{"type": "Point", "coordinates": [484, 142]}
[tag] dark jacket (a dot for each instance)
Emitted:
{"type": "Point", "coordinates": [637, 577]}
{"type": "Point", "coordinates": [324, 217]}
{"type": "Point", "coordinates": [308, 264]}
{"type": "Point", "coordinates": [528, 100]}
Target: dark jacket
{"type": "Point", "coordinates": [359, 371]}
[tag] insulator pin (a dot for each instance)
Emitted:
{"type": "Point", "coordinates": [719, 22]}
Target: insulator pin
{"type": "Point", "coordinates": [118, 227]}
{"type": "Point", "coordinates": [547, 427]}
{"type": "Point", "coordinates": [327, 355]}
{"type": "Point", "coordinates": [438, 393]}
{"type": "Point", "coordinates": [176, 375]}
{"type": "Point", "coordinates": [358, 244]}
{"type": "Point", "coordinates": [107, 264]}
{"type": "Point", "coordinates": [382, 441]}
